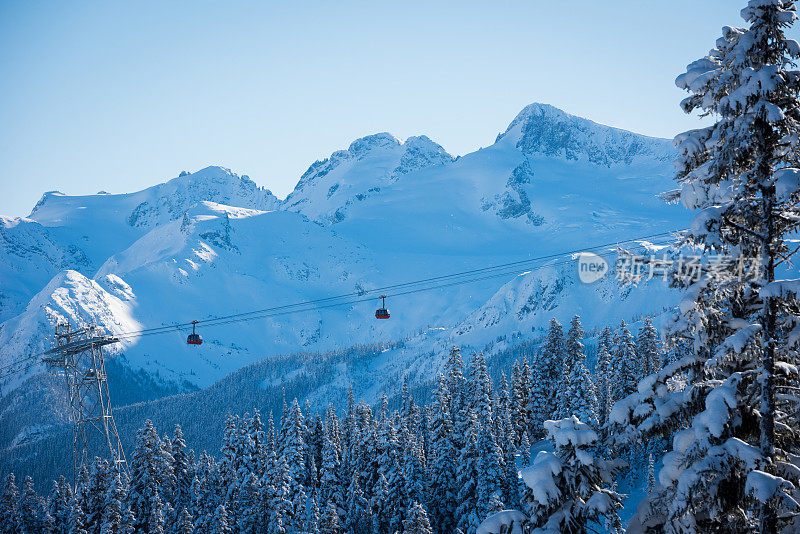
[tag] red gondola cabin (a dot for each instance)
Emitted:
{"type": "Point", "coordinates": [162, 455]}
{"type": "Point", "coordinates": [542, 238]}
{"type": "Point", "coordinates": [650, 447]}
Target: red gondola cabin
{"type": "Point", "coordinates": [382, 312]}
{"type": "Point", "coordinates": [194, 338]}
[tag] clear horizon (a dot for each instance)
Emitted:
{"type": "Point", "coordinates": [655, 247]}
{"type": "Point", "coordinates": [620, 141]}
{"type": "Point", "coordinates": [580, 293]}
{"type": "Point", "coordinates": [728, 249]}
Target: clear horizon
{"type": "Point", "coordinates": [119, 98]}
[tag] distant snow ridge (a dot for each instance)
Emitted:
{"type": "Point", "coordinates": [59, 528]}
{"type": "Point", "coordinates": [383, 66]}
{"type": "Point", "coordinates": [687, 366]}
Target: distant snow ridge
{"type": "Point", "coordinates": [546, 130]}
{"type": "Point", "coordinates": [167, 201]}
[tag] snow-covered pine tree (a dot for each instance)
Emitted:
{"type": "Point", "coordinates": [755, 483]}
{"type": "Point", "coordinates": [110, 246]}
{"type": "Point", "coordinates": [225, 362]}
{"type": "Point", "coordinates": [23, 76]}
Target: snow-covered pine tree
{"type": "Point", "coordinates": [407, 407]}
{"type": "Point", "coordinates": [506, 438]}
{"type": "Point", "coordinates": [502, 409]}
{"type": "Point", "coordinates": [648, 350]}
{"type": "Point", "coordinates": [414, 480]}
{"type": "Point", "coordinates": [379, 504]}
{"type": "Point", "coordinates": [331, 489]}
{"type": "Point", "coordinates": [281, 504]}
{"type": "Point", "coordinates": [651, 475]}
{"type": "Point", "coordinates": [300, 511]}
{"type": "Point", "coordinates": [184, 524]}
{"type": "Point", "coordinates": [733, 465]}
{"type": "Point", "coordinates": [295, 446]}
{"type": "Point", "coordinates": [155, 519]}
{"type": "Point", "coordinates": [77, 520]}
{"type": "Point", "coordinates": [539, 398]}
{"type": "Point", "coordinates": [624, 365]}
{"type": "Point", "coordinates": [113, 505]}
{"type": "Point", "coordinates": [312, 515]}
{"type": "Point", "coordinates": [468, 511]}
{"type": "Point", "coordinates": [127, 523]}
{"type": "Point", "coordinates": [551, 358]}
{"type": "Point", "coordinates": [219, 523]}
{"type": "Point", "coordinates": [330, 520]}
{"type": "Point", "coordinates": [519, 404]}
{"type": "Point", "coordinates": [167, 481]}
{"type": "Point", "coordinates": [480, 392]}
{"type": "Point", "coordinates": [417, 521]}
{"type": "Point", "coordinates": [59, 504]}
{"type": "Point", "coordinates": [570, 489]}
{"type": "Point", "coordinates": [491, 479]}
{"type": "Point", "coordinates": [358, 519]}
{"type": "Point", "coordinates": [579, 398]}
{"type": "Point", "coordinates": [459, 399]}
{"type": "Point", "coordinates": [93, 494]}
{"type": "Point", "coordinates": [147, 469]}
{"type": "Point", "coordinates": [495, 504]}
{"type": "Point", "coordinates": [181, 470]}
{"type": "Point", "coordinates": [33, 513]}
{"type": "Point", "coordinates": [603, 375]}
{"type": "Point", "coordinates": [247, 502]}
{"type": "Point", "coordinates": [442, 467]}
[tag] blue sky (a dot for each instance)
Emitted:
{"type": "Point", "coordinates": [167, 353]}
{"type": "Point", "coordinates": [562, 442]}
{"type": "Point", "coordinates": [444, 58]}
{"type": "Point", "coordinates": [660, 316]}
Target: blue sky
{"type": "Point", "coordinates": [119, 96]}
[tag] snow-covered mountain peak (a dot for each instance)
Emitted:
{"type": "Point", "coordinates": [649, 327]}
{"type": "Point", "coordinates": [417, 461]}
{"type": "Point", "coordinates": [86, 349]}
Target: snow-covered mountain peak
{"type": "Point", "coordinates": [542, 129]}
{"type": "Point", "coordinates": [365, 144]}
{"type": "Point", "coordinates": [330, 186]}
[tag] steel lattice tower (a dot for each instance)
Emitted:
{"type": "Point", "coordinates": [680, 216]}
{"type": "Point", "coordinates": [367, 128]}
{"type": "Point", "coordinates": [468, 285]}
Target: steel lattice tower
{"type": "Point", "coordinates": [78, 354]}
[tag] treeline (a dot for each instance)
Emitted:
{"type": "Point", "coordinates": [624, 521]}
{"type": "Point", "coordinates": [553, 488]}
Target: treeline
{"type": "Point", "coordinates": [438, 468]}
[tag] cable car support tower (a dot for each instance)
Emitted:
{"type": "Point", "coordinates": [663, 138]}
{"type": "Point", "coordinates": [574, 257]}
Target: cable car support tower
{"type": "Point", "coordinates": [78, 355]}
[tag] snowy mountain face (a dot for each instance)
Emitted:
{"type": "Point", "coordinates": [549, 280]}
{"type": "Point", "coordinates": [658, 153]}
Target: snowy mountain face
{"type": "Point", "coordinates": [382, 212]}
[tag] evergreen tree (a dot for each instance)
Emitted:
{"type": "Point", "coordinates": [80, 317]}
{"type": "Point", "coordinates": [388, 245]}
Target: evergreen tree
{"type": "Point", "coordinates": [247, 502]}
{"type": "Point", "coordinates": [113, 506]}
{"type": "Point", "coordinates": [539, 408]}
{"type": "Point", "coordinates": [468, 511]}
{"type": "Point", "coordinates": [568, 490]}
{"type": "Point", "coordinates": [480, 392]}
{"type": "Point", "coordinates": [147, 471]}
{"type": "Point", "coordinates": [330, 520]}
{"type": "Point", "coordinates": [300, 511]}
{"type": "Point", "coordinates": [651, 475]}
{"type": "Point", "coordinates": [93, 491]}
{"type": "Point", "coordinates": [358, 518]}
{"type": "Point", "coordinates": [648, 351]}
{"type": "Point", "coordinates": [417, 522]}
{"type": "Point", "coordinates": [495, 504]}
{"type": "Point", "coordinates": [736, 448]}
{"type": "Point", "coordinates": [413, 469]}
{"type": "Point", "coordinates": [77, 520]}
{"type": "Point", "coordinates": [281, 506]}
{"type": "Point", "coordinates": [59, 504]}
{"type": "Point", "coordinates": [181, 470]}
{"type": "Point", "coordinates": [551, 358]}
{"type": "Point", "coordinates": [155, 519]}
{"type": "Point", "coordinates": [312, 510]}
{"type": "Point", "coordinates": [219, 524]}
{"type": "Point", "coordinates": [31, 509]}
{"type": "Point", "coordinates": [184, 525]}
{"type": "Point", "coordinates": [331, 469]}
{"type": "Point", "coordinates": [604, 372]}
{"type": "Point", "coordinates": [491, 477]}
{"type": "Point", "coordinates": [379, 504]}
{"type": "Point", "coordinates": [579, 398]}
{"type": "Point", "coordinates": [624, 365]}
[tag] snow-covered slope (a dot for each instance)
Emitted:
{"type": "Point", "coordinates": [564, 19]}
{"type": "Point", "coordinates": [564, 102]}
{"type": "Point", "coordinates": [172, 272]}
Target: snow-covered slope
{"type": "Point", "coordinates": [211, 244]}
